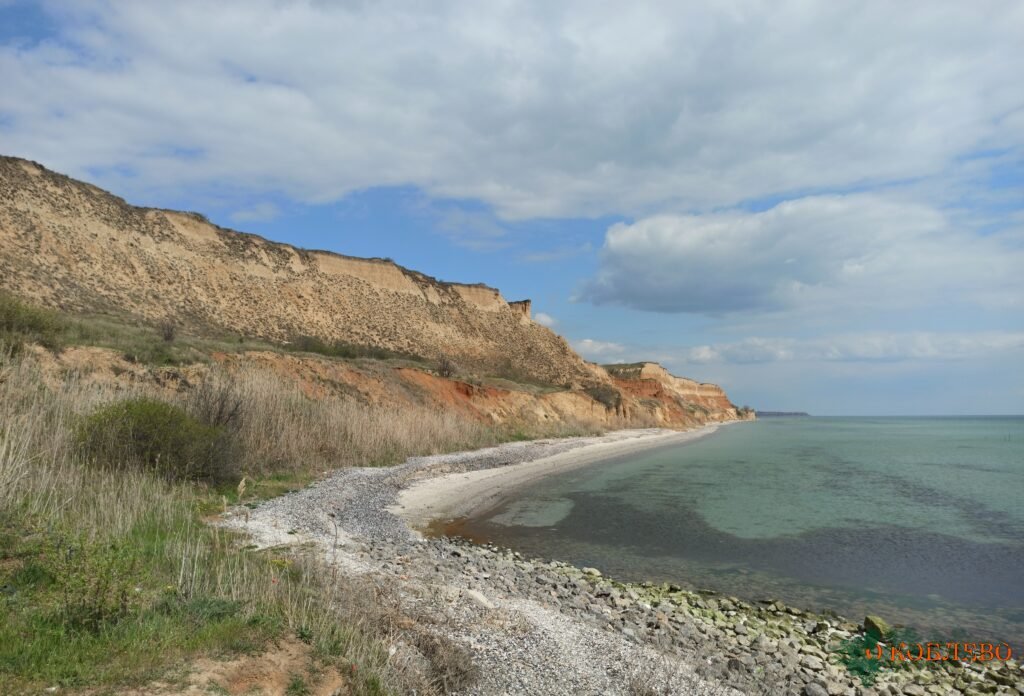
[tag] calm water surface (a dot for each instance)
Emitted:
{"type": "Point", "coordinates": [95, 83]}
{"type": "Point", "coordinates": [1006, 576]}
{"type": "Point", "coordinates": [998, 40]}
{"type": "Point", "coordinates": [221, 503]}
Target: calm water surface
{"type": "Point", "coordinates": [920, 520]}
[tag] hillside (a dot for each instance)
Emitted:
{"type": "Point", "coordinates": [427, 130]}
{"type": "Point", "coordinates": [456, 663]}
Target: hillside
{"type": "Point", "coordinates": [157, 371]}
{"type": "Point", "coordinates": [72, 246]}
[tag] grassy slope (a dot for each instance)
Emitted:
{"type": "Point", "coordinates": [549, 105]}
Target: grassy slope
{"type": "Point", "coordinates": [109, 578]}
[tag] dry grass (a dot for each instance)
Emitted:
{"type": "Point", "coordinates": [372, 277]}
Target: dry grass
{"type": "Point", "coordinates": [279, 428]}
{"type": "Point", "coordinates": [115, 578]}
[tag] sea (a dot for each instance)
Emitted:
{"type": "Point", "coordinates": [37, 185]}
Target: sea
{"type": "Point", "coordinates": [917, 520]}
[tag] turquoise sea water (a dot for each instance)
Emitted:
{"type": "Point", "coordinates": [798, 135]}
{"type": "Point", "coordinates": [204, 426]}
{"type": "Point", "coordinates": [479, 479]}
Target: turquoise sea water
{"type": "Point", "coordinates": [920, 520]}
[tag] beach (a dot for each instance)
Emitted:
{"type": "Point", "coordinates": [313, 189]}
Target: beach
{"type": "Point", "coordinates": [464, 494]}
{"type": "Point", "coordinates": [542, 626]}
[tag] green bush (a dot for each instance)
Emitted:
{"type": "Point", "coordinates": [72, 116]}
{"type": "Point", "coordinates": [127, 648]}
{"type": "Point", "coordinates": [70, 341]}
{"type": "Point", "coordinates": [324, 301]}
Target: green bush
{"type": "Point", "coordinates": [22, 323]}
{"type": "Point", "coordinates": [95, 580]}
{"type": "Point", "coordinates": [155, 435]}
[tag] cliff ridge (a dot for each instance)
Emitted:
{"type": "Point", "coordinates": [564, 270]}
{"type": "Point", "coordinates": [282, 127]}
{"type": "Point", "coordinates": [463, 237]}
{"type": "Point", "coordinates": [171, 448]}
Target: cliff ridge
{"type": "Point", "coordinates": [70, 245]}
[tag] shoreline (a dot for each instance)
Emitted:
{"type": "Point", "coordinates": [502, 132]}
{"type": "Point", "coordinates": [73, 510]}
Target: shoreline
{"type": "Point", "coordinates": [547, 627]}
{"type": "Point", "coordinates": [467, 494]}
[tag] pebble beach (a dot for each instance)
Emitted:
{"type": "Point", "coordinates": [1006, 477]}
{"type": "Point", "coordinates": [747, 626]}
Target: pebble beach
{"type": "Point", "coordinates": [541, 626]}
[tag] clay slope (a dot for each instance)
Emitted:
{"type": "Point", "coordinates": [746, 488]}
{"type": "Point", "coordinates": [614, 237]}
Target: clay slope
{"type": "Point", "coordinates": [642, 402]}
{"type": "Point", "coordinates": [71, 245]}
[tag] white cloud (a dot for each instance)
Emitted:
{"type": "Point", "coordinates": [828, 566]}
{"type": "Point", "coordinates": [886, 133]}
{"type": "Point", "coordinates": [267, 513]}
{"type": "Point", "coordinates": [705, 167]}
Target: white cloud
{"type": "Point", "coordinates": [472, 229]}
{"type": "Point", "coordinates": [261, 212]}
{"type": "Point", "coordinates": [599, 350]}
{"type": "Point", "coordinates": [545, 319]}
{"type": "Point", "coordinates": [559, 254]}
{"type": "Point", "coordinates": [540, 109]}
{"type": "Point", "coordinates": [864, 347]}
{"type": "Point", "coordinates": [830, 254]}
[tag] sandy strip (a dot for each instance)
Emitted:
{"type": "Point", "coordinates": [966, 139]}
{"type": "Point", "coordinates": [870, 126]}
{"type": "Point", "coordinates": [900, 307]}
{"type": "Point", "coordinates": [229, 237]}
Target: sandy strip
{"type": "Point", "coordinates": [466, 494]}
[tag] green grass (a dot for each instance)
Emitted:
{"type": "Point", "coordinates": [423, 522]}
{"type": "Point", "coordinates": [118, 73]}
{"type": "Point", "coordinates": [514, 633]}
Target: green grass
{"type": "Point", "coordinates": [116, 611]}
{"type": "Point", "coordinates": [297, 686]}
{"type": "Point", "coordinates": [348, 351]}
{"type": "Point", "coordinates": [110, 609]}
{"type": "Point", "coordinates": [22, 323]}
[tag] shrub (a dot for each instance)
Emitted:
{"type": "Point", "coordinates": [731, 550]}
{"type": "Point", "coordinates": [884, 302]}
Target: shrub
{"type": "Point", "coordinates": [605, 394]}
{"type": "Point", "coordinates": [22, 323]}
{"type": "Point", "coordinates": [168, 330]}
{"type": "Point", "coordinates": [94, 578]}
{"type": "Point", "coordinates": [445, 367]}
{"type": "Point", "coordinates": [216, 401]}
{"type": "Point", "coordinates": [155, 435]}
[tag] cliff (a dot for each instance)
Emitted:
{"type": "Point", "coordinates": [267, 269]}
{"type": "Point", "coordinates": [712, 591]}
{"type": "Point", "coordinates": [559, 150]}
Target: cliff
{"type": "Point", "coordinates": [672, 399]}
{"type": "Point", "coordinates": [70, 245]}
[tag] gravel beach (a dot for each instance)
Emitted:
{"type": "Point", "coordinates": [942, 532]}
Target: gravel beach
{"type": "Point", "coordinates": [544, 627]}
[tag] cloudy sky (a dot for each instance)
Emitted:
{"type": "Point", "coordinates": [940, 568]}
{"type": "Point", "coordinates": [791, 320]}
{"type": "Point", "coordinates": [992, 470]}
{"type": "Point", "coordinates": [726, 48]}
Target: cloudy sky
{"type": "Point", "coordinates": [819, 205]}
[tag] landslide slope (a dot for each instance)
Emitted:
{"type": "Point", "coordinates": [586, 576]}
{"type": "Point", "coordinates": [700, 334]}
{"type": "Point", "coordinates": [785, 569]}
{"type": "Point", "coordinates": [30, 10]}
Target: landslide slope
{"type": "Point", "coordinates": [71, 245]}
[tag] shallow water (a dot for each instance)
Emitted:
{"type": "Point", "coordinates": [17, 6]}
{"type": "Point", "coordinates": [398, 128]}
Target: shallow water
{"type": "Point", "coordinates": [920, 520]}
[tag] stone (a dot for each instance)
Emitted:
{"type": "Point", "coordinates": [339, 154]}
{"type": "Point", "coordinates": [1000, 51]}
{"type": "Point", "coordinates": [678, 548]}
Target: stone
{"type": "Point", "coordinates": [593, 572]}
{"type": "Point", "coordinates": [1003, 679]}
{"type": "Point", "coordinates": [812, 662]}
{"type": "Point", "coordinates": [876, 627]}
{"type": "Point", "coordinates": [734, 665]}
{"type": "Point", "coordinates": [790, 661]}
{"type": "Point", "coordinates": [814, 689]}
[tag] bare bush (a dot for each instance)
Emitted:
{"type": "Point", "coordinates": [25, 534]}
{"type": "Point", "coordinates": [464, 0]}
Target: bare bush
{"type": "Point", "coordinates": [168, 330]}
{"type": "Point", "coordinates": [446, 368]}
{"type": "Point", "coordinates": [215, 401]}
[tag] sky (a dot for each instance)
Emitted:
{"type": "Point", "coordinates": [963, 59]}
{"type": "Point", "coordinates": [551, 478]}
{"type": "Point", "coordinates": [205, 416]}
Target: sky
{"type": "Point", "coordinates": [817, 205]}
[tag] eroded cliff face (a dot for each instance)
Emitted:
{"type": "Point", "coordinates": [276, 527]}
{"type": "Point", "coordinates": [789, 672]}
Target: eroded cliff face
{"type": "Point", "coordinates": [650, 387]}
{"type": "Point", "coordinates": [70, 245]}
{"type": "Point", "coordinates": [643, 403]}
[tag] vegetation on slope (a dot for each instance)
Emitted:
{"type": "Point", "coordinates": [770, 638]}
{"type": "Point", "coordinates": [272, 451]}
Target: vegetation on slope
{"type": "Point", "coordinates": [109, 576]}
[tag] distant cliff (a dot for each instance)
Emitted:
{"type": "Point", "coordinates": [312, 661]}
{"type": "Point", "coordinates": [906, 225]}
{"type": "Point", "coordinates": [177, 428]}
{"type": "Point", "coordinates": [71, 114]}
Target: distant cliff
{"type": "Point", "coordinates": [71, 245]}
{"type": "Point", "coordinates": [677, 398]}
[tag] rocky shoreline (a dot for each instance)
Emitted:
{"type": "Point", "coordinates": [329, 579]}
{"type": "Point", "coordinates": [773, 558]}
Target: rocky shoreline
{"type": "Point", "coordinates": [546, 627]}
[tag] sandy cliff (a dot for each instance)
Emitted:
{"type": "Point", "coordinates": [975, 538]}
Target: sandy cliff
{"type": "Point", "coordinates": [71, 245]}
